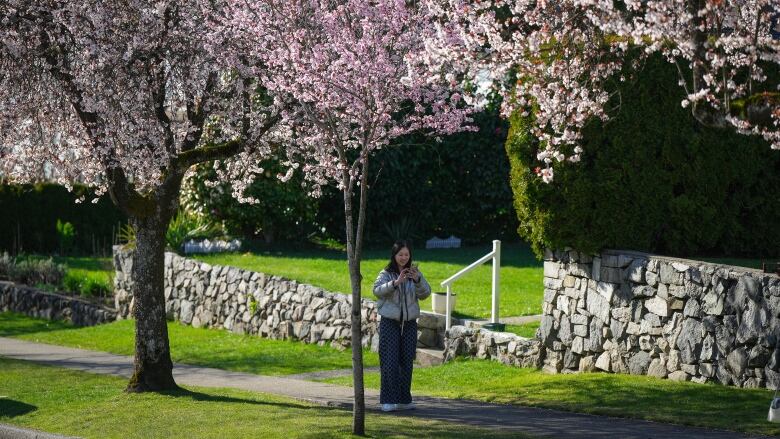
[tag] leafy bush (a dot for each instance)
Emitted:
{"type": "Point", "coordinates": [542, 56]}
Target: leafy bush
{"type": "Point", "coordinates": [31, 271]}
{"type": "Point", "coordinates": [85, 285]}
{"type": "Point", "coordinates": [651, 179]}
{"type": "Point", "coordinates": [126, 235]}
{"type": "Point", "coordinates": [66, 235]}
{"type": "Point", "coordinates": [283, 211]}
{"type": "Point", "coordinates": [185, 226]}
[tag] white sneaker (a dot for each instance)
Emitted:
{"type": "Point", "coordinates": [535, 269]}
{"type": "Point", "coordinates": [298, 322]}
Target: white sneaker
{"type": "Point", "coordinates": [389, 407]}
{"type": "Point", "coordinates": [410, 406]}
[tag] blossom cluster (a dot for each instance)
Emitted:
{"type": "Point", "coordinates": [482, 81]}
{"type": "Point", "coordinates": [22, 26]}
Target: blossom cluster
{"type": "Point", "coordinates": [346, 77]}
{"type": "Point", "coordinates": [558, 58]}
{"type": "Point", "coordinates": [90, 86]}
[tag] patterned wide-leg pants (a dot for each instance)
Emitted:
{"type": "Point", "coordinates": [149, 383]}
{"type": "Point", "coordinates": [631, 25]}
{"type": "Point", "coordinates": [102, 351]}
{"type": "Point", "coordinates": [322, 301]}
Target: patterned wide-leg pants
{"type": "Point", "coordinates": [396, 354]}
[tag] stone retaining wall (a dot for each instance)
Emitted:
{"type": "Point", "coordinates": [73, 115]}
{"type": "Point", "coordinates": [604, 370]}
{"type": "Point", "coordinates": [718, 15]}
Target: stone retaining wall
{"type": "Point", "coordinates": [248, 302]}
{"type": "Point", "coordinates": [637, 313]}
{"type": "Point", "coordinates": [36, 303]}
{"type": "Point", "coordinates": [505, 347]}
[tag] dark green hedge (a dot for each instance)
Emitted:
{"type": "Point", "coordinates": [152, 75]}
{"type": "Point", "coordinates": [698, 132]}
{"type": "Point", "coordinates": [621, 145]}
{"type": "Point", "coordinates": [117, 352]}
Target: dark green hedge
{"type": "Point", "coordinates": [421, 188]}
{"type": "Point", "coordinates": [652, 179]}
{"type": "Point", "coordinates": [29, 214]}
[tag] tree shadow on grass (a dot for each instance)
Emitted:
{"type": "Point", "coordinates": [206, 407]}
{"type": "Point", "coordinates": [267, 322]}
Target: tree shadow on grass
{"type": "Point", "coordinates": [708, 405]}
{"type": "Point", "coordinates": [205, 397]}
{"type": "Point", "coordinates": [10, 408]}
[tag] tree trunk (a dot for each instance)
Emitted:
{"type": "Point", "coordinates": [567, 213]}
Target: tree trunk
{"type": "Point", "coordinates": [353, 257]}
{"type": "Point", "coordinates": [152, 364]}
{"type": "Point", "coordinates": [359, 409]}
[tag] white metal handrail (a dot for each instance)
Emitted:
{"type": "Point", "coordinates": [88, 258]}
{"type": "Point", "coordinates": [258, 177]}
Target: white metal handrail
{"type": "Point", "coordinates": [495, 255]}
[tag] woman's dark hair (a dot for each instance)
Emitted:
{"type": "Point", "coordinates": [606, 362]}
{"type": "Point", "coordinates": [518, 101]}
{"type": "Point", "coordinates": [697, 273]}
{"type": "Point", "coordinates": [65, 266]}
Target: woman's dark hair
{"type": "Point", "coordinates": [392, 266]}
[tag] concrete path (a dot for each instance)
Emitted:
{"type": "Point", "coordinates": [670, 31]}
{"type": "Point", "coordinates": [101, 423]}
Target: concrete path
{"type": "Point", "coordinates": [532, 421]}
{"type": "Point", "coordinates": [13, 432]}
{"type": "Point", "coordinates": [325, 374]}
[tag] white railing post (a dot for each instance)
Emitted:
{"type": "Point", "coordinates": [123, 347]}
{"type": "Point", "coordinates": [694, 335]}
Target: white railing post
{"type": "Point", "coordinates": [496, 278]}
{"type": "Point", "coordinates": [495, 255]}
{"type": "Point", "coordinates": [449, 310]}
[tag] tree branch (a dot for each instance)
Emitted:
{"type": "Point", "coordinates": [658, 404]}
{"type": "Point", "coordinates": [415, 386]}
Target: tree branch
{"type": "Point", "coordinates": [217, 152]}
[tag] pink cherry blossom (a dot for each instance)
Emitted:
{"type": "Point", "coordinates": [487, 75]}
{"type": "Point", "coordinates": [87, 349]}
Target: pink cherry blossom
{"type": "Point", "coordinates": [558, 58]}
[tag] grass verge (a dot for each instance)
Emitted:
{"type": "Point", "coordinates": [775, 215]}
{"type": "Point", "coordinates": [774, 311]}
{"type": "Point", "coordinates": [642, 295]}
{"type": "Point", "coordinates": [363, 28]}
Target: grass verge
{"type": "Point", "coordinates": [95, 406]}
{"type": "Point", "coordinates": [628, 396]}
{"type": "Point", "coordinates": [203, 347]}
{"type": "Point", "coordinates": [527, 330]}
{"type": "Point", "coordinates": [521, 274]}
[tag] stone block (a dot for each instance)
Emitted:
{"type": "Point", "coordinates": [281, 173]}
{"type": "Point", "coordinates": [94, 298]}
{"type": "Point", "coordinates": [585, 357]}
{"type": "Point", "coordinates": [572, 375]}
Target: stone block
{"type": "Point", "coordinates": [606, 290]}
{"type": "Point", "coordinates": [690, 369]}
{"type": "Point", "coordinates": [636, 271]}
{"type": "Point", "coordinates": [689, 341]}
{"type": "Point", "coordinates": [736, 361]}
{"type": "Point", "coordinates": [597, 305]}
{"type": "Point", "coordinates": [707, 370]}
{"type": "Point", "coordinates": [609, 261]}
{"type": "Point", "coordinates": [669, 275]}
{"type": "Point", "coordinates": [651, 278]}
{"type": "Point", "coordinates": [679, 376]}
{"type": "Point", "coordinates": [646, 343]}
{"type": "Point", "coordinates": [657, 368]}
{"type": "Point", "coordinates": [612, 275]}
{"type": "Point", "coordinates": [551, 269]}
{"type": "Point", "coordinates": [587, 364]}
{"type": "Point", "coordinates": [633, 328]}
{"type": "Point", "coordinates": [603, 362]}
{"type": "Point", "coordinates": [692, 309]}
{"type": "Point", "coordinates": [577, 345]}
{"type": "Point", "coordinates": [596, 269]}
{"type": "Point", "coordinates": [638, 363]}
{"type": "Point", "coordinates": [657, 306]}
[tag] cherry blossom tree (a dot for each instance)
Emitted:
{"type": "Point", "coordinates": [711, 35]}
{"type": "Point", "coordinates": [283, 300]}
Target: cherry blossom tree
{"type": "Point", "coordinates": [349, 77]}
{"type": "Point", "coordinates": [125, 96]}
{"type": "Point", "coordinates": [558, 58]}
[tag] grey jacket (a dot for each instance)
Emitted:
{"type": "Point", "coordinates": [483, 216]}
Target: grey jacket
{"type": "Point", "coordinates": [401, 300]}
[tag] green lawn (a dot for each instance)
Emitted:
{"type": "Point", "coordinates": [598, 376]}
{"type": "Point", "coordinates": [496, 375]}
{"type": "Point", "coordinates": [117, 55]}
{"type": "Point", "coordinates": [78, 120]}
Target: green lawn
{"type": "Point", "coordinates": [204, 347]}
{"type": "Point", "coordinates": [629, 396]}
{"type": "Point", "coordinates": [521, 274]}
{"type": "Point", "coordinates": [527, 330]}
{"type": "Point", "coordinates": [88, 276]}
{"type": "Point", "coordinates": [95, 406]}
{"type": "Point", "coordinates": [738, 262]}
{"type": "Point", "coordinates": [607, 394]}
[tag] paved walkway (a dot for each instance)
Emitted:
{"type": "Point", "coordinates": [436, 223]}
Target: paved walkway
{"type": "Point", "coordinates": [532, 421]}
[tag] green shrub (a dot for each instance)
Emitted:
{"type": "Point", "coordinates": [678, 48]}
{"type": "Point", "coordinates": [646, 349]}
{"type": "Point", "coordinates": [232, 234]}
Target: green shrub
{"type": "Point", "coordinates": [31, 271]}
{"type": "Point", "coordinates": [85, 285]}
{"type": "Point", "coordinates": [66, 235]}
{"type": "Point", "coordinates": [185, 226]}
{"type": "Point", "coordinates": [71, 283]}
{"type": "Point", "coordinates": [283, 212]}
{"type": "Point", "coordinates": [651, 179]}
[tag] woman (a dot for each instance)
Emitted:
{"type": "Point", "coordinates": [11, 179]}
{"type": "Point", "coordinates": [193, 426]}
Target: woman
{"type": "Point", "coordinates": [398, 287]}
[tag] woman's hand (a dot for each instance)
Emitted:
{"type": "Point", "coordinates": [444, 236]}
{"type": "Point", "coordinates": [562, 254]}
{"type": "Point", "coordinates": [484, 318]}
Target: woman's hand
{"type": "Point", "coordinates": [403, 277]}
{"type": "Point", "coordinates": [414, 274]}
